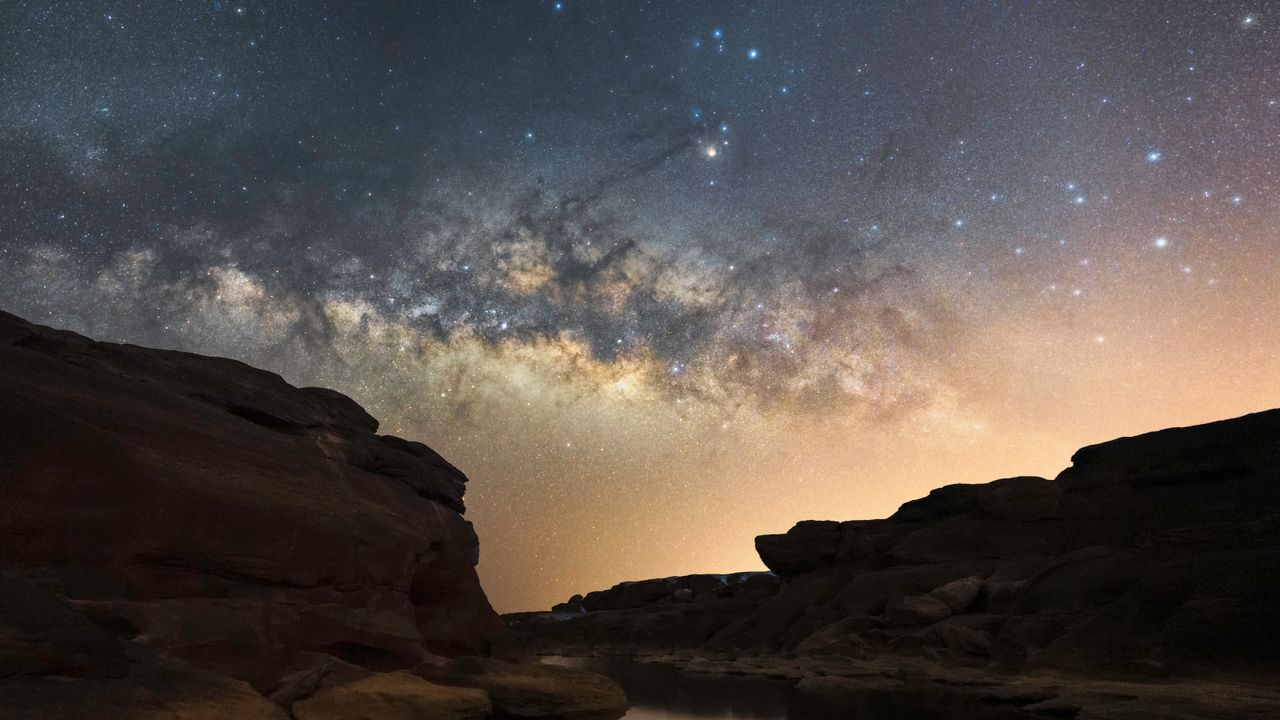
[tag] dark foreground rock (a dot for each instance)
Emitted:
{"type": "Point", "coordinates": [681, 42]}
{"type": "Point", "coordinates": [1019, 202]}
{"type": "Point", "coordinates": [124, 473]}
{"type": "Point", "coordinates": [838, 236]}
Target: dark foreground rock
{"type": "Point", "coordinates": [521, 690]}
{"type": "Point", "coordinates": [394, 696]}
{"type": "Point", "coordinates": [186, 537]}
{"type": "Point", "coordinates": [1151, 560]}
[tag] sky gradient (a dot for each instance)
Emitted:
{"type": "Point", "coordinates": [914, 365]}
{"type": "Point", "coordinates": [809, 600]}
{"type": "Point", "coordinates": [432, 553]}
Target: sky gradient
{"type": "Point", "coordinates": [663, 276]}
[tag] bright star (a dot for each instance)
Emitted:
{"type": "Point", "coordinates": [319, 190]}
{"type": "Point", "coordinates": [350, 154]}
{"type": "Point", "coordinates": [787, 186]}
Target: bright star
{"type": "Point", "coordinates": [1155, 156]}
{"type": "Point", "coordinates": [753, 54]}
{"type": "Point", "coordinates": [1160, 243]}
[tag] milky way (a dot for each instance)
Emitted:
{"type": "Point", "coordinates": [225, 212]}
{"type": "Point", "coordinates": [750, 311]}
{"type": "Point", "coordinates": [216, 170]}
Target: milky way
{"type": "Point", "coordinates": [661, 276]}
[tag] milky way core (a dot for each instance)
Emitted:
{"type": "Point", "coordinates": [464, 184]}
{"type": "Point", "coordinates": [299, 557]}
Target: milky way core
{"type": "Point", "coordinates": [663, 276]}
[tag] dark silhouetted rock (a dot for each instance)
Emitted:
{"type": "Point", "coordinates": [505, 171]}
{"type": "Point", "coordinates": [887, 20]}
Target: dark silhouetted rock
{"type": "Point", "coordinates": [1151, 563]}
{"type": "Point", "coordinates": [807, 546]}
{"type": "Point", "coordinates": [153, 689]}
{"type": "Point", "coordinates": [225, 516]}
{"type": "Point", "coordinates": [1020, 498]}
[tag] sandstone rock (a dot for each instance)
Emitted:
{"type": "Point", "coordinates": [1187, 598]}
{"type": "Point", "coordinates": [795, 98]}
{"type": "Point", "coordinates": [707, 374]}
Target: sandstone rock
{"type": "Point", "coordinates": [965, 639]}
{"type": "Point", "coordinates": [522, 690]}
{"type": "Point", "coordinates": [630, 594]}
{"type": "Point", "coordinates": [807, 546]}
{"type": "Point", "coordinates": [958, 595]}
{"type": "Point", "coordinates": [298, 685]}
{"type": "Point", "coordinates": [1020, 498]}
{"type": "Point", "coordinates": [40, 635]}
{"type": "Point", "coordinates": [154, 689]}
{"type": "Point", "coordinates": [642, 593]}
{"type": "Point", "coordinates": [940, 503]}
{"type": "Point", "coordinates": [917, 610]}
{"type": "Point", "coordinates": [1151, 558]}
{"type": "Point", "coordinates": [1212, 453]}
{"type": "Point", "coordinates": [394, 696]}
{"type": "Point", "coordinates": [574, 605]}
{"type": "Point", "coordinates": [224, 515]}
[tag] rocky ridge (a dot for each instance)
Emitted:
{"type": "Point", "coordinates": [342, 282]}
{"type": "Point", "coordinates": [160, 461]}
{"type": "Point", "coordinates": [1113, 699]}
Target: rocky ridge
{"type": "Point", "coordinates": [1145, 572]}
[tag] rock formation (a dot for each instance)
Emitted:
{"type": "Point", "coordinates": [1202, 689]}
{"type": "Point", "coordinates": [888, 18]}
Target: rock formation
{"type": "Point", "coordinates": [1150, 559]}
{"type": "Point", "coordinates": [184, 536]}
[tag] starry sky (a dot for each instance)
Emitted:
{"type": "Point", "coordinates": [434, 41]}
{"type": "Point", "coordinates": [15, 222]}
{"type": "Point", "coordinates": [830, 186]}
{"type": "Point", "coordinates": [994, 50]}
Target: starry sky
{"type": "Point", "coordinates": [663, 276]}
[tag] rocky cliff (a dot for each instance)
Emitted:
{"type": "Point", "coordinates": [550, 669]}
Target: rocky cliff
{"type": "Point", "coordinates": [185, 535]}
{"type": "Point", "coordinates": [1151, 558]}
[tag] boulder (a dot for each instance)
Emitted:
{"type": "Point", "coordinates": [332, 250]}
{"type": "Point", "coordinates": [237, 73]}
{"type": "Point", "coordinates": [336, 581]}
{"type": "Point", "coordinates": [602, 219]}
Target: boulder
{"type": "Point", "coordinates": [917, 610]}
{"type": "Point", "coordinates": [958, 595]}
{"type": "Point", "coordinates": [523, 690]}
{"type": "Point", "coordinates": [394, 696]}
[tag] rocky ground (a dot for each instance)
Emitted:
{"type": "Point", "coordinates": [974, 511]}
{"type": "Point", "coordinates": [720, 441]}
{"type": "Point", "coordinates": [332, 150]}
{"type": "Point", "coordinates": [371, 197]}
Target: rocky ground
{"type": "Point", "coordinates": [1140, 583]}
{"type": "Point", "coordinates": [187, 537]}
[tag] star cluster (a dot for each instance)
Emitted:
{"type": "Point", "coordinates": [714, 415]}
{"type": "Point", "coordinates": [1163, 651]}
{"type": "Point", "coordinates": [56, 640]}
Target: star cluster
{"type": "Point", "coordinates": [661, 276]}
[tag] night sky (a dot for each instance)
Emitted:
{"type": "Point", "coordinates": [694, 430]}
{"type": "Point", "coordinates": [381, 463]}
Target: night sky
{"type": "Point", "coordinates": [662, 276]}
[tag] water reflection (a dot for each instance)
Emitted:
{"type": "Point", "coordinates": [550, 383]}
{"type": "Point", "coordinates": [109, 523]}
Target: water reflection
{"type": "Point", "coordinates": [659, 692]}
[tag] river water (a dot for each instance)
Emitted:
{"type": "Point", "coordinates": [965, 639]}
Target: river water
{"type": "Point", "coordinates": [661, 692]}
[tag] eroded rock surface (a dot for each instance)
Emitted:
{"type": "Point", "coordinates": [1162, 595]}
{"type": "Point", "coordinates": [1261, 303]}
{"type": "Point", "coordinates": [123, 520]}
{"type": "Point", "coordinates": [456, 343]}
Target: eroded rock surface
{"type": "Point", "coordinates": [394, 696]}
{"type": "Point", "coordinates": [189, 537]}
{"type": "Point", "coordinates": [225, 515]}
{"type": "Point", "coordinates": [522, 690]}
